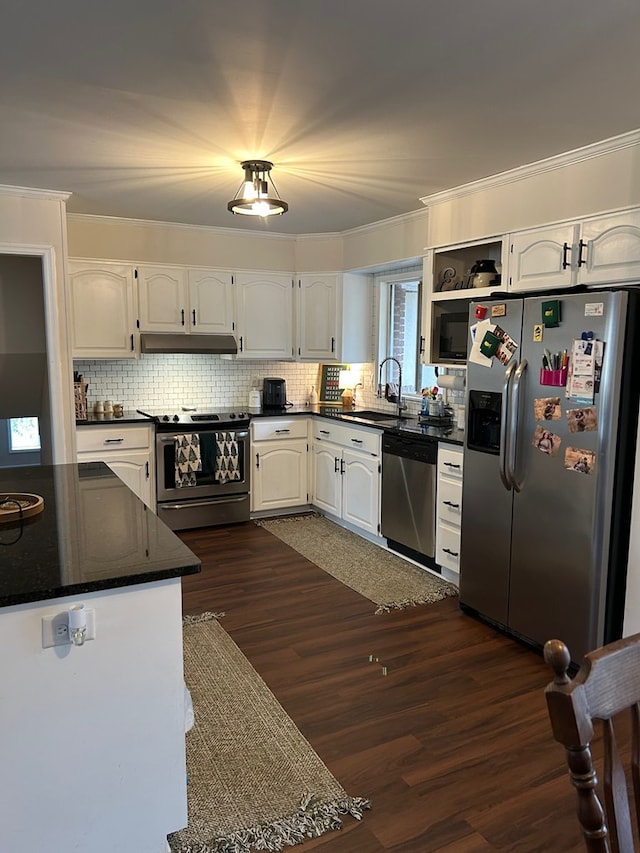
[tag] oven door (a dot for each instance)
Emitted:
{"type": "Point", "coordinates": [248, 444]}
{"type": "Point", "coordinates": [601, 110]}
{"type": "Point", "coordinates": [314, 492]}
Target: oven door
{"type": "Point", "coordinates": [220, 457]}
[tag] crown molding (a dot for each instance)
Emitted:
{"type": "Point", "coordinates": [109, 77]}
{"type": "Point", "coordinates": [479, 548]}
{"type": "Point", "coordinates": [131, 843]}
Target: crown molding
{"type": "Point", "coordinates": [558, 161]}
{"type": "Point", "coordinates": [29, 192]}
{"type": "Point", "coordinates": [155, 223]}
{"type": "Point", "coordinates": [402, 218]}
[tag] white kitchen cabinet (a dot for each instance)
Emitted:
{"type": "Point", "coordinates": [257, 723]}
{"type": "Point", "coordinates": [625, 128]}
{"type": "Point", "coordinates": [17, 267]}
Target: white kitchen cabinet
{"type": "Point", "coordinates": [346, 473]}
{"type": "Point", "coordinates": [264, 311]}
{"type": "Point", "coordinates": [127, 449]}
{"type": "Point", "coordinates": [334, 317]}
{"type": "Point", "coordinates": [279, 448]}
{"type": "Point", "coordinates": [599, 250]}
{"type": "Point", "coordinates": [102, 309]}
{"type": "Point", "coordinates": [449, 509]}
{"type": "Point", "coordinates": [178, 299]}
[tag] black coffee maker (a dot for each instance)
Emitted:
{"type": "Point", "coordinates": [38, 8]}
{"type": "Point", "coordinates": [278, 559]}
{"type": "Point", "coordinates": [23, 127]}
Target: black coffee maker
{"type": "Point", "coordinates": [274, 393]}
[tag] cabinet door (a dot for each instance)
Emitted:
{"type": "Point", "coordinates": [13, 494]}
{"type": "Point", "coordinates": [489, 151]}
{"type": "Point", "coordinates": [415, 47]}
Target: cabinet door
{"type": "Point", "coordinates": [327, 482]}
{"type": "Point", "coordinates": [264, 305]}
{"type": "Point", "coordinates": [162, 299]}
{"type": "Point", "coordinates": [102, 308]}
{"type": "Point", "coordinates": [317, 317]}
{"type": "Point", "coordinates": [279, 475]}
{"type": "Point", "coordinates": [542, 258]}
{"type": "Point", "coordinates": [210, 301]}
{"type": "Point", "coordinates": [361, 490]}
{"type": "Point", "coordinates": [134, 467]}
{"type": "Point", "coordinates": [609, 249]}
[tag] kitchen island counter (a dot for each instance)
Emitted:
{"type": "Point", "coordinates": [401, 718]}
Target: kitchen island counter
{"type": "Point", "coordinates": [93, 534]}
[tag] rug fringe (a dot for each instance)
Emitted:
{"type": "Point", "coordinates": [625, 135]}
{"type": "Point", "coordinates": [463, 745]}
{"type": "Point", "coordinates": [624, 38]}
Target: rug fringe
{"type": "Point", "coordinates": [207, 616]}
{"type": "Point", "coordinates": [412, 602]}
{"type": "Point", "coordinates": [311, 820]}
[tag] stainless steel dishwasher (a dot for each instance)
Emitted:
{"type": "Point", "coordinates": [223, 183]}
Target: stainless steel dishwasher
{"type": "Point", "coordinates": [409, 496]}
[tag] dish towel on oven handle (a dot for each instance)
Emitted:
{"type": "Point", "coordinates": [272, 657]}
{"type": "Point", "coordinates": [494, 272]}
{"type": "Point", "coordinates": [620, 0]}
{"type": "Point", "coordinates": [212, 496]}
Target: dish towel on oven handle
{"type": "Point", "coordinates": [188, 459]}
{"type": "Point", "coordinates": [227, 458]}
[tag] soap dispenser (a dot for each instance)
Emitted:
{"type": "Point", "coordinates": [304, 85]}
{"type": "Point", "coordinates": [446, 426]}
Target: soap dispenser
{"type": "Point", "coordinates": [313, 396]}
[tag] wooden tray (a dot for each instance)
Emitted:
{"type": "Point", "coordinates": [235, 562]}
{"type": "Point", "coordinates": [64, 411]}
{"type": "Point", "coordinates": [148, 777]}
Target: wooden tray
{"type": "Point", "coordinates": [30, 504]}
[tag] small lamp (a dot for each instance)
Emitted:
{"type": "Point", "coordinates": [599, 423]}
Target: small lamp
{"type": "Point", "coordinates": [347, 380]}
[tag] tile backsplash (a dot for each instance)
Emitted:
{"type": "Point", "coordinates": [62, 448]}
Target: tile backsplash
{"type": "Point", "coordinates": [171, 381]}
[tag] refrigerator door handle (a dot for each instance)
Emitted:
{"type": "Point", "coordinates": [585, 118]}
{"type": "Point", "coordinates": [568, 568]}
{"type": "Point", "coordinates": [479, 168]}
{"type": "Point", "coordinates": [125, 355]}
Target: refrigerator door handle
{"type": "Point", "coordinates": [504, 420]}
{"type": "Point", "coordinates": [514, 408]}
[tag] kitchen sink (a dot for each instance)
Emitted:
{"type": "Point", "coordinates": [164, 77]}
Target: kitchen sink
{"type": "Point", "coordinates": [370, 415]}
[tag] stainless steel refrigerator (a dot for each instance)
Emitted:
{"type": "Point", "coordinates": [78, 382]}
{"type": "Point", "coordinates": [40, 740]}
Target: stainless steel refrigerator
{"type": "Point", "coordinates": [552, 407]}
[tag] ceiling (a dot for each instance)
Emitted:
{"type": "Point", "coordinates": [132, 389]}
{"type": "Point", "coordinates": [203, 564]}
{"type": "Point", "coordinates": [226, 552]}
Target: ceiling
{"type": "Point", "coordinates": [145, 109]}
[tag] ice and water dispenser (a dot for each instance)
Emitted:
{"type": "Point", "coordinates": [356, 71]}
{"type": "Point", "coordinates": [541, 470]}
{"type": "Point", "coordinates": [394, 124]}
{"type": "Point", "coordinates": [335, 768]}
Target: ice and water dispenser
{"type": "Point", "coordinates": [483, 422]}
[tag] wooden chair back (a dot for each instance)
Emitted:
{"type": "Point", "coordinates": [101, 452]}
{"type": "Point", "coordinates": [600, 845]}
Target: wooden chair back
{"type": "Point", "coordinates": [606, 686]}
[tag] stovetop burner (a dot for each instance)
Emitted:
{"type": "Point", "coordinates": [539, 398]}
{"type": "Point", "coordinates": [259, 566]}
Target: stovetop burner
{"type": "Point", "coordinates": [189, 417]}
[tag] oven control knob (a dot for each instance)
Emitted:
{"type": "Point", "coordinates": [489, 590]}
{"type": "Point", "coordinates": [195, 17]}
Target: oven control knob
{"type": "Point", "coordinates": [165, 417]}
{"type": "Point", "coordinates": [232, 415]}
{"type": "Point", "coordinates": [176, 417]}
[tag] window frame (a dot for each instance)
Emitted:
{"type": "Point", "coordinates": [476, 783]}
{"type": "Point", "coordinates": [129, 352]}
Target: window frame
{"type": "Point", "coordinates": [383, 284]}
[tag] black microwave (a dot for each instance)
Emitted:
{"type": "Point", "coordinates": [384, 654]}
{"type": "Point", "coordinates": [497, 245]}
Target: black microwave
{"type": "Point", "coordinates": [450, 332]}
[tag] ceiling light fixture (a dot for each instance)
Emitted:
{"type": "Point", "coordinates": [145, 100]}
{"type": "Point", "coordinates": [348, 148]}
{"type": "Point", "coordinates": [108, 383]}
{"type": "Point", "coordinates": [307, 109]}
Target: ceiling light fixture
{"type": "Point", "coordinates": [254, 196]}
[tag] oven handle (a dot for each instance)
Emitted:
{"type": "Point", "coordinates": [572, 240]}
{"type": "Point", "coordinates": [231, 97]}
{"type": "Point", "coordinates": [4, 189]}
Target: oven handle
{"type": "Point", "coordinates": [206, 502]}
{"type": "Point", "coordinates": [171, 439]}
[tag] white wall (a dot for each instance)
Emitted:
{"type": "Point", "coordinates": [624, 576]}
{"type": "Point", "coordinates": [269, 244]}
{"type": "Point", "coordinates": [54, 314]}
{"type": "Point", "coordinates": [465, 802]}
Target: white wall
{"type": "Point", "coordinates": [92, 737]}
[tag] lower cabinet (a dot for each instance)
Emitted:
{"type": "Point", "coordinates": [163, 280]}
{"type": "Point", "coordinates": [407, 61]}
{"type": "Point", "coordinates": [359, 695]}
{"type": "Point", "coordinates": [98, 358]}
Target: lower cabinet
{"type": "Point", "coordinates": [346, 473]}
{"type": "Point", "coordinates": [279, 476]}
{"type": "Point", "coordinates": [127, 449]}
{"type": "Point", "coordinates": [449, 508]}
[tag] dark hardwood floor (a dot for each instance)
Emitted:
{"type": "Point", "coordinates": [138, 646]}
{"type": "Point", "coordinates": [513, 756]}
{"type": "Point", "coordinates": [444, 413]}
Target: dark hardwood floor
{"type": "Point", "coordinates": [453, 746]}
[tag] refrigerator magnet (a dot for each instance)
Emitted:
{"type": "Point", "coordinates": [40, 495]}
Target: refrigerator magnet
{"type": "Point", "coordinates": [582, 461]}
{"type": "Point", "coordinates": [489, 344]}
{"type": "Point", "coordinates": [551, 314]}
{"type": "Point", "coordinates": [546, 441]}
{"type": "Point", "coordinates": [582, 420]}
{"type": "Point", "coordinates": [499, 310]}
{"type": "Point", "coordinates": [547, 408]}
{"type": "Point", "coordinates": [537, 333]}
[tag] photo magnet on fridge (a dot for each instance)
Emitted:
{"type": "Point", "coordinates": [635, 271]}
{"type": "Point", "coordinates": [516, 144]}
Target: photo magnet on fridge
{"type": "Point", "coordinates": [583, 461]}
{"type": "Point", "coordinates": [546, 441]}
{"type": "Point", "coordinates": [547, 408]}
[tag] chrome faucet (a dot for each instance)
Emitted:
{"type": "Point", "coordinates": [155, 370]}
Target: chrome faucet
{"type": "Point", "coordinates": [401, 406]}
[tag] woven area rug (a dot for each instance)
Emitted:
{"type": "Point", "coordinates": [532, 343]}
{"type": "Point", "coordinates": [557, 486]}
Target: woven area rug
{"type": "Point", "coordinates": [255, 783]}
{"type": "Point", "coordinates": [387, 580]}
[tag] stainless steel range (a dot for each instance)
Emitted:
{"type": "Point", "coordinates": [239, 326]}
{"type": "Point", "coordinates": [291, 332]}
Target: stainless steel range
{"type": "Point", "coordinates": [202, 467]}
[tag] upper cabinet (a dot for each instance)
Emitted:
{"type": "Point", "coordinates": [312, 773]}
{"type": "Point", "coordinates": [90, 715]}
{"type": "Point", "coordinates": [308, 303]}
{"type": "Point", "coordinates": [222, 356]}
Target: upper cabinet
{"type": "Point", "coordinates": [264, 312]}
{"type": "Point", "coordinates": [103, 310]}
{"type": "Point", "coordinates": [598, 250]}
{"type": "Point", "coordinates": [176, 299]}
{"type": "Point", "coordinates": [334, 317]}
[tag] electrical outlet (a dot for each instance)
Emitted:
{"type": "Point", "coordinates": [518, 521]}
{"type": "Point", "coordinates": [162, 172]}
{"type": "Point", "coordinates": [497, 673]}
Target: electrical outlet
{"type": "Point", "coordinates": [55, 629]}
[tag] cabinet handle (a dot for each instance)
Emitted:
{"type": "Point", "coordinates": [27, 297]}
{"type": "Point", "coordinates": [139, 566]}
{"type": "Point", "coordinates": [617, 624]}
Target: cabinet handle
{"type": "Point", "coordinates": [449, 503]}
{"type": "Point", "coordinates": [146, 468]}
{"type": "Point", "coordinates": [240, 343]}
{"type": "Point", "coordinates": [182, 317]}
{"type": "Point", "coordinates": [194, 316]}
{"type": "Point", "coordinates": [452, 465]}
{"type": "Point", "coordinates": [356, 440]}
{"type": "Point", "coordinates": [282, 430]}
{"type": "Point", "coordinates": [132, 347]}
{"type": "Point", "coordinates": [581, 245]}
{"type": "Point", "coordinates": [333, 344]}
{"type": "Point", "coordinates": [565, 252]}
{"type": "Point", "coordinates": [113, 440]}
{"type": "Point", "coordinates": [449, 551]}
{"type": "Point", "coordinates": [335, 466]}
{"type": "Point", "coordinates": [324, 432]}
{"type": "Point", "coordinates": [257, 460]}
{"type": "Point", "coordinates": [342, 466]}
{"type": "Point", "coordinates": [422, 342]}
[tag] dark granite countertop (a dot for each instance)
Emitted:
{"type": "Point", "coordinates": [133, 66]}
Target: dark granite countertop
{"type": "Point", "coordinates": [409, 426]}
{"type": "Point", "coordinates": [71, 547]}
{"type": "Point", "coordinates": [127, 417]}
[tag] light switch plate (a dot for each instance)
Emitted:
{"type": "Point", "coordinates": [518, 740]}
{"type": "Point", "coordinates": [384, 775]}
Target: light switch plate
{"type": "Point", "coordinates": [55, 629]}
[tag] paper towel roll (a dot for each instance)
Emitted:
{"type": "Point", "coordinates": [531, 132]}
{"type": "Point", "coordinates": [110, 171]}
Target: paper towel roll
{"type": "Point", "coordinates": [456, 383]}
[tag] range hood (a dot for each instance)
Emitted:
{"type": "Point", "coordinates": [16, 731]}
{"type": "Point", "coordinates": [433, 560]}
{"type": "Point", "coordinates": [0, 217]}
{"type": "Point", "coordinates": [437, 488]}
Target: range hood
{"type": "Point", "coordinates": [161, 342]}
